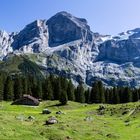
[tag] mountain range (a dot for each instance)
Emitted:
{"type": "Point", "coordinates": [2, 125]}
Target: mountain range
{"type": "Point", "coordinates": [65, 45]}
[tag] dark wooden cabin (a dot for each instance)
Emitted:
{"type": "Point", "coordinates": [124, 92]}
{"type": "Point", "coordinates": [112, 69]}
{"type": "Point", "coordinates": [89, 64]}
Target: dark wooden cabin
{"type": "Point", "coordinates": [26, 100]}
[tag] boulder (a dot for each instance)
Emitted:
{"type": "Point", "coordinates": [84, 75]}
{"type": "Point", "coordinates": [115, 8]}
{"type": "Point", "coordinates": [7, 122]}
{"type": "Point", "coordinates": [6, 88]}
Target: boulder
{"type": "Point", "coordinates": [46, 111]}
{"type": "Point", "coordinates": [51, 120]}
{"type": "Point", "coordinates": [88, 118]}
{"type": "Point", "coordinates": [31, 118]}
{"type": "Point", "coordinates": [59, 112]}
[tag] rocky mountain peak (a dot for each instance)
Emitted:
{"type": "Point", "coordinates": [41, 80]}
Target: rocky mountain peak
{"type": "Point", "coordinates": [64, 28]}
{"type": "Point", "coordinates": [81, 22]}
{"type": "Point", "coordinates": [32, 38]}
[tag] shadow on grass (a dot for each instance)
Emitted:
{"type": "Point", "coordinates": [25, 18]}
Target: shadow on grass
{"type": "Point", "coordinates": [57, 105]}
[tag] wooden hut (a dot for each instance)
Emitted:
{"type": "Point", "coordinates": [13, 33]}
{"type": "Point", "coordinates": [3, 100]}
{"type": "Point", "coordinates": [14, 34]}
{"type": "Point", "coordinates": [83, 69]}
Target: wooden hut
{"type": "Point", "coordinates": [26, 100]}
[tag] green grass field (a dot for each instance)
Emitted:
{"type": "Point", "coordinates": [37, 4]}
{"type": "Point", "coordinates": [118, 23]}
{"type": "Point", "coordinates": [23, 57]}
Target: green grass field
{"type": "Point", "coordinates": [116, 122]}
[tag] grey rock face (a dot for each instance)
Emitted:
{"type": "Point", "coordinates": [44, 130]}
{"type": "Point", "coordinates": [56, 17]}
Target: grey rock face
{"type": "Point", "coordinates": [32, 38]}
{"type": "Point", "coordinates": [64, 28]}
{"type": "Point", "coordinates": [121, 50]}
{"type": "Point", "coordinates": [5, 44]}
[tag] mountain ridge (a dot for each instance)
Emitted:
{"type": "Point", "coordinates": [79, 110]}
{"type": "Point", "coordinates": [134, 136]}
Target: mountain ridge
{"type": "Point", "coordinates": [65, 45]}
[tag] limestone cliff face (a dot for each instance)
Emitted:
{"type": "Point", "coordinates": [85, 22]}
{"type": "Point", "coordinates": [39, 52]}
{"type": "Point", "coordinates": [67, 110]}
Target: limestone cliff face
{"type": "Point", "coordinates": [120, 51]}
{"type": "Point", "coordinates": [5, 44]}
{"type": "Point", "coordinates": [64, 28]}
{"type": "Point", "coordinates": [33, 38]}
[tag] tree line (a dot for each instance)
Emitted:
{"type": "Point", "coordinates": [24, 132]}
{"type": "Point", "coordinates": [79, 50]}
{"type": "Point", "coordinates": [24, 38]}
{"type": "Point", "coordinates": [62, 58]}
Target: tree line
{"type": "Point", "coordinates": [62, 89]}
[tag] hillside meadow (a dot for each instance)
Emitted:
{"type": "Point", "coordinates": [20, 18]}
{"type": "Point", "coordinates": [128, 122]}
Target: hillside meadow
{"type": "Point", "coordinates": [77, 122]}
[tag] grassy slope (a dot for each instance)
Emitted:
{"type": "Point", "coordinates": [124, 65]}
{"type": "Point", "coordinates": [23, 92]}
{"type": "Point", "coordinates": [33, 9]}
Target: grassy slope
{"type": "Point", "coordinates": [111, 126]}
{"type": "Point", "coordinates": [20, 64]}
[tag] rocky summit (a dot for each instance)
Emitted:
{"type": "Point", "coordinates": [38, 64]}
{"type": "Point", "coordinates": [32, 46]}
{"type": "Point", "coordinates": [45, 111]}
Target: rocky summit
{"type": "Point", "coordinates": [64, 45]}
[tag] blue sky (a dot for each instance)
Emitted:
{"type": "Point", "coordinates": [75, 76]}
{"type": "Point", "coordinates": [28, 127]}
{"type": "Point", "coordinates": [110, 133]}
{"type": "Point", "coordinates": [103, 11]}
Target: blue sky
{"type": "Point", "coordinates": [104, 16]}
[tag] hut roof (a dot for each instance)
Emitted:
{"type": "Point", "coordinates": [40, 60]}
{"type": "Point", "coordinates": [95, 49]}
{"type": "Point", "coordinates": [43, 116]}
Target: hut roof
{"type": "Point", "coordinates": [30, 97]}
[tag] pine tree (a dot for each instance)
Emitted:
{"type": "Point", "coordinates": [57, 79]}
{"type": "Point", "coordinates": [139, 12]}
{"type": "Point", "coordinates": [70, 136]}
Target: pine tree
{"type": "Point", "coordinates": [33, 86]}
{"type": "Point", "coordinates": [101, 92]}
{"type": "Point", "coordinates": [116, 98]}
{"type": "Point", "coordinates": [107, 95]}
{"type": "Point", "coordinates": [48, 90]}
{"type": "Point", "coordinates": [64, 83]}
{"type": "Point", "coordinates": [8, 89]}
{"type": "Point", "coordinates": [121, 94]}
{"type": "Point", "coordinates": [18, 88]}
{"type": "Point", "coordinates": [63, 98]}
{"type": "Point", "coordinates": [135, 95]}
{"type": "Point", "coordinates": [110, 96]}
{"type": "Point", "coordinates": [70, 91]}
{"type": "Point", "coordinates": [95, 95]}
{"type": "Point", "coordinates": [50, 95]}
{"type": "Point", "coordinates": [139, 93]}
{"type": "Point", "coordinates": [39, 89]}
{"type": "Point", "coordinates": [128, 95]}
{"type": "Point", "coordinates": [25, 85]}
{"type": "Point", "coordinates": [29, 90]}
{"type": "Point", "coordinates": [1, 88]}
{"type": "Point", "coordinates": [80, 93]}
{"type": "Point", "coordinates": [57, 88]}
{"type": "Point", "coordinates": [29, 85]}
{"type": "Point", "coordinates": [87, 96]}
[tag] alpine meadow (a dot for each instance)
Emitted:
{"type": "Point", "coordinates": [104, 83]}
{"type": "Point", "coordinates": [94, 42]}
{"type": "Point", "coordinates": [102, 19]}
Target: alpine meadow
{"type": "Point", "coordinates": [61, 78]}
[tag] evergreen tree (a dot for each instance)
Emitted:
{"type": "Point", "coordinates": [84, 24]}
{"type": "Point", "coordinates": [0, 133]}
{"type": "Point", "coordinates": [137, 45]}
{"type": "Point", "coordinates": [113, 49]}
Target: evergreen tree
{"type": "Point", "coordinates": [64, 83]}
{"type": "Point", "coordinates": [80, 93]}
{"type": "Point", "coordinates": [1, 87]}
{"type": "Point", "coordinates": [29, 88]}
{"type": "Point", "coordinates": [107, 95]}
{"type": "Point", "coordinates": [8, 89]}
{"type": "Point", "coordinates": [25, 85]}
{"type": "Point", "coordinates": [111, 96]}
{"type": "Point", "coordinates": [50, 95]}
{"type": "Point", "coordinates": [95, 95]}
{"type": "Point", "coordinates": [57, 88]}
{"type": "Point", "coordinates": [33, 86]}
{"type": "Point", "coordinates": [135, 95]}
{"type": "Point", "coordinates": [116, 98]}
{"type": "Point", "coordinates": [18, 89]}
{"type": "Point", "coordinates": [48, 90]}
{"type": "Point", "coordinates": [139, 93]}
{"type": "Point", "coordinates": [70, 91]}
{"type": "Point", "coordinates": [63, 98]}
{"type": "Point", "coordinates": [128, 95]}
{"type": "Point", "coordinates": [121, 94]}
{"type": "Point", "coordinates": [87, 96]}
{"type": "Point", "coordinates": [101, 92]}
{"type": "Point", "coordinates": [39, 89]}
{"type": "Point", "coordinates": [30, 84]}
